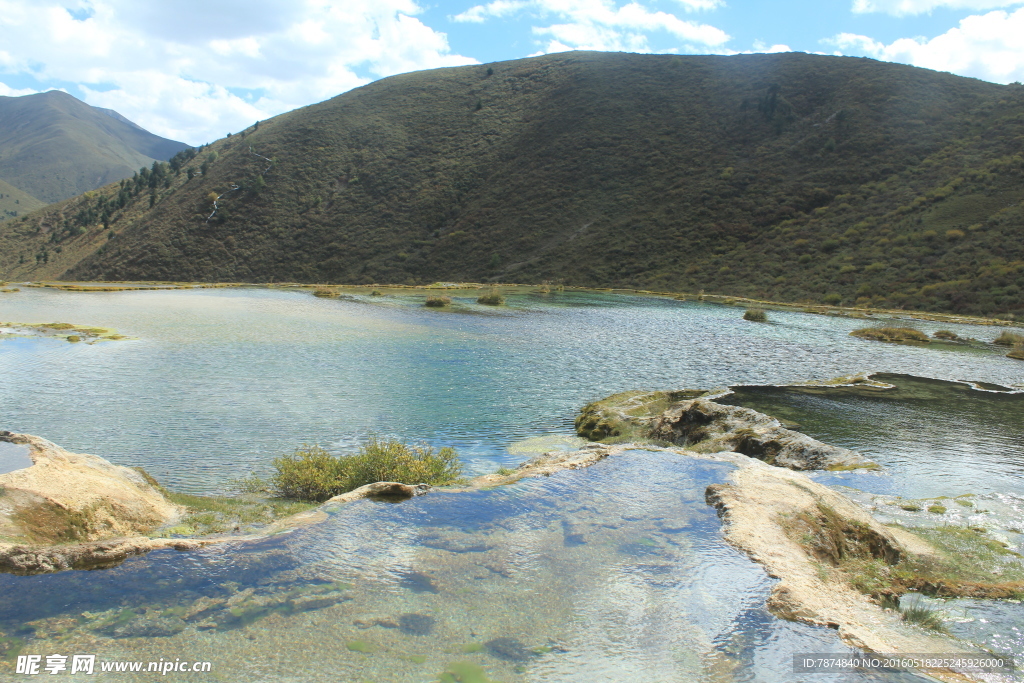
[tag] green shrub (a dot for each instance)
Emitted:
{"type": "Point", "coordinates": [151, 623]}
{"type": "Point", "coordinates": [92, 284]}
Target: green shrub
{"type": "Point", "coordinates": [756, 315]}
{"type": "Point", "coordinates": [492, 298]}
{"type": "Point", "coordinates": [311, 473]}
{"type": "Point", "coordinates": [832, 298]}
{"type": "Point", "coordinates": [891, 334]}
{"type": "Point", "coordinates": [1008, 338]}
{"type": "Point", "coordinates": [438, 301]}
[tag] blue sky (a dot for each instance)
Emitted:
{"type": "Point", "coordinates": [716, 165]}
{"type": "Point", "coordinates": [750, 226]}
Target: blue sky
{"type": "Point", "coordinates": [193, 70]}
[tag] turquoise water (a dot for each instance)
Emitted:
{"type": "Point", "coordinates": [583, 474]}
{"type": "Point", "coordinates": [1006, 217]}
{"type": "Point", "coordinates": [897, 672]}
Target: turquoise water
{"type": "Point", "coordinates": [613, 573]}
{"type": "Point", "coordinates": [216, 383]}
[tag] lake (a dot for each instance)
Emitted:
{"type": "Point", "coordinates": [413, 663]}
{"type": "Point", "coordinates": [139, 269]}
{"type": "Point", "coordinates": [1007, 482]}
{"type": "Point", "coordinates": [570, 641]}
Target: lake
{"type": "Point", "coordinates": [605, 574]}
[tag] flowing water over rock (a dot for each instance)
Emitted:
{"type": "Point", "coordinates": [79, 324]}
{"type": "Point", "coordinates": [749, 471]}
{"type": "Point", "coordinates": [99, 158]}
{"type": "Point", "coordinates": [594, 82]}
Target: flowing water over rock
{"type": "Point", "coordinates": [615, 573]}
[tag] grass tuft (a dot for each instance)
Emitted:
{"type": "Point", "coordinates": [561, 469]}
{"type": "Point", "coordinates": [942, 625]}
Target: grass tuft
{"type": "Point", "coordinates": [921, 614]}
{"type": "Point", "coordinates": [756, 315]}
{"type": "Point", "coordinates": [438, 301]}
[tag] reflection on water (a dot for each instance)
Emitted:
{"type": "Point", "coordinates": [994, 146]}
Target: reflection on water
{"type": "Point", "coordinates": [218, 382]}
{"type": "Point", "coordinates": [613, 573]}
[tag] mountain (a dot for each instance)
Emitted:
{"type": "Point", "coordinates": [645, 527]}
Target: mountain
{"type": "Point", "coordinates": [54, 146]}
{"type": "Point", "coordinates": [787, 176]}
{"type": "Point", "coordinates": [15, 203]}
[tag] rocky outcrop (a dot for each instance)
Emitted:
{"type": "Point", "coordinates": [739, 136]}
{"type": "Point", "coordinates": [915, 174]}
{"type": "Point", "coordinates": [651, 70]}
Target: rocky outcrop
{"type": "Point", "coordinates": [67, 497]}
{"type": "Point", "coordinates": [692, 419]}
{"type": "Point", "coordinates": [39, 559]}
{"type": "Point", "coordinates": [76, 511]}
{"type": "Point", "coordinates": [716, 427]}
{"type": "Point", "coordinates": [799, 529]}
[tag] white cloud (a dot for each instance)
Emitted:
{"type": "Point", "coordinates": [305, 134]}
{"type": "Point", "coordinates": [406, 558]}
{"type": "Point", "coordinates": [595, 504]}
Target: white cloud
{"type": "Point", "coordinates": [760, 47]}
{"type": "Point", "coordinates": [175, 68]}
{"type": "Point", "coordinates": [901, 8]}
{"type": "Point", "coordinates": [987, 46]}
{"type": "Point", "coordinates": [601, 24]}
{"type": "Point", "coordinates": [496, 9]}
{"type": "Point", "coordinates": [8, 91]}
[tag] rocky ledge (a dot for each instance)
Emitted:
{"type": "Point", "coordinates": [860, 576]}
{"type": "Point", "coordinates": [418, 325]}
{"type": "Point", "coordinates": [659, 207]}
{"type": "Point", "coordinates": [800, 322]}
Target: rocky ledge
{"type": "Point", "coordinates": [692, 419]}
{"type": "Point", "coordinates": [64, 497]}
{"type": "Point", "coordinates": [72, 510]}
{"type": "Point", "coordinates": [814, 540]}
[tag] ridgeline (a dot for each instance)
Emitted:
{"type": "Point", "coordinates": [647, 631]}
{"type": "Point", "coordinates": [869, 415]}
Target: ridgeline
{"type": "Point", "coordinates": [54, 146]}
{"type": "Point", "coordinates": [789, 177]}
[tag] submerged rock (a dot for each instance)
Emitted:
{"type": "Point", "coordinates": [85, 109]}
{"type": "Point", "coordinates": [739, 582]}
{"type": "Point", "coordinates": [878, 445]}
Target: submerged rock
{"type": "Point", "coordinates": [149, 627]}
{"type": "Point", "coordinates": [416, 624]}
{"type": "Point", "coordinates": [509, 649]}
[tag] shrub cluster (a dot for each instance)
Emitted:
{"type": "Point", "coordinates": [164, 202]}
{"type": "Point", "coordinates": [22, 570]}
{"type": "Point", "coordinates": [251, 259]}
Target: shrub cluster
{"type": "Point", "coordinates": [438, 301]}
{"type": "Point", "coordinates": [491, 299]}
{"type": "Point", "coordinates": [1009, 339]}
{"type": "Point", "coordinates": [757, 315]}
{"type": "Point", "coordinates": [891, 334]}
{"type": "Point", "coordinates": [311, 473]}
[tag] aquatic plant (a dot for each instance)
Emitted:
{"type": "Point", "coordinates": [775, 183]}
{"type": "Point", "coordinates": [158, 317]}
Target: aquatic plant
{"type": "Point", "coordinates": [922, 614]}
{"type": "Point", "coordinates": [326, 292]}
{"type": "Point", "coordinates": [1017, 351]}
{"type": "Point", "coordinates": [492, 298]}
{"type": "Point", "coordinates": [891, 334]}
{"type": "Point", "coordinates": [946, 334]}
{"type": "Point", "coordinates": [376, 292]}
{"type": "Point", "coordinates": [311, 473]}
{"type": "Point", "coordinates": [74, 338]}
{"type": "Point", "coordinates": [464, 672]}
{"type": "Point", "coordinates": [219, 514]}
{"type": "Point", "coordinates": [1007, 338]}
{"type": "Point", "coordinates": [438, 301]}
{"type": "Point", "coordinates": [937, 508]}
{"type": "Point", "coordinates": [756, 315]}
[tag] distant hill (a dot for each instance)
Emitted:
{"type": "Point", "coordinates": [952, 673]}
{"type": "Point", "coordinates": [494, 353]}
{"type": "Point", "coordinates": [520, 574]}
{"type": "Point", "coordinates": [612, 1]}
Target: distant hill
{"type": "Point", "coordinates": [54, 146]}
{"type": "Point", "coordinates": [786, 176]}
{"type": "Point", "coordinates": [15, 203]}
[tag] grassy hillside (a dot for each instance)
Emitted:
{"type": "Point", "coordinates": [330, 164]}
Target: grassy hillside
{"type": "Point", "coordinates": [792, 177]}
{"type": "Point", "coordinates": [54, 146]}
{"type": "Point", "coordinates": [15, 203]}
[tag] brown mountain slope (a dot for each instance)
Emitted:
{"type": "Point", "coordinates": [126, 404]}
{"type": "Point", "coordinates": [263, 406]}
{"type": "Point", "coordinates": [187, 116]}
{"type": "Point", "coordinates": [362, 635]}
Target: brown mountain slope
{"type": "Point", "coordinates": [54, 146]}
{"type": "Point", "coordinates": [15, 203]}
{"type": "Point", "coordinates": [787, 176]}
